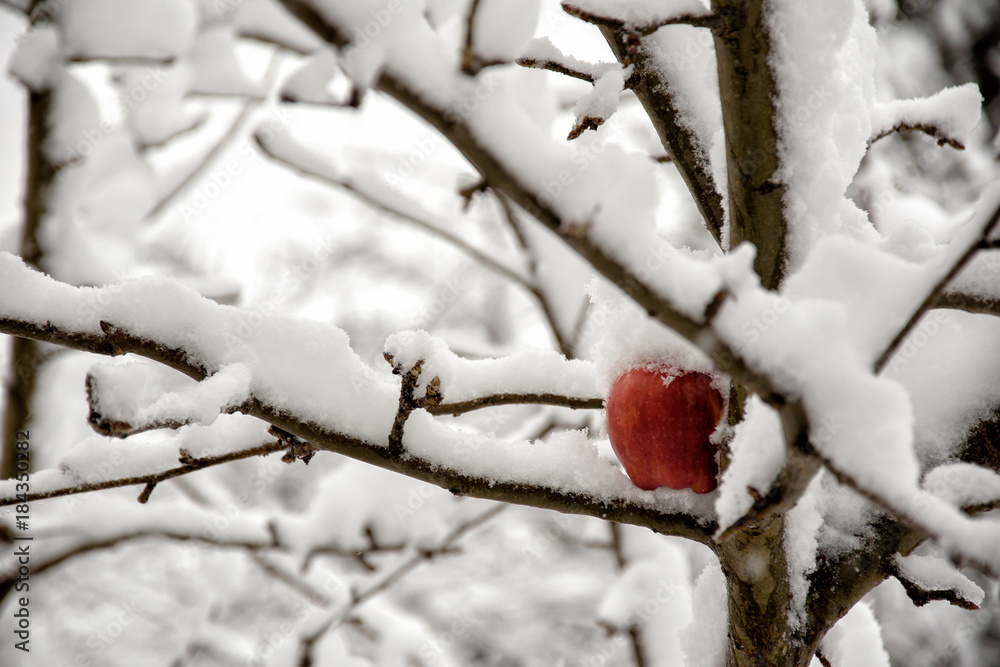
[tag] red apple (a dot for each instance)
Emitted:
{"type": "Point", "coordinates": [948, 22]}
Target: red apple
{"type": "Point", "coordinates": [660, 422]}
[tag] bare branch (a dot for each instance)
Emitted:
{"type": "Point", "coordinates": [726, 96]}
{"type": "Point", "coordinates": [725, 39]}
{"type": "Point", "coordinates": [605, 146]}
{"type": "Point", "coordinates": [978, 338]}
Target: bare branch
{"type": "Point", "coordinates": [7, 580]}
{"type": "Point", "coordinates": [937, 291]}
{"type": "Point", "coordinates": [472, 63]}
{"type": "Point", "coordinates": [662, 105]}
{"type": "Point", "coordinates": [534, 288]}
{"type": "Point", "coordinates": [235, 128]}
{"type": "Point", "coordinates": [929, 129]}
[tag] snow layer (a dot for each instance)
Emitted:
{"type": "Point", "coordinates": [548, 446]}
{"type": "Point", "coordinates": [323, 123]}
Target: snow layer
{"type": "Point", "coordinates": [953, 111]}
{"type": "Point", "coordinates": [963, 484]}
{"type": "Point", "coordinates": [158, 29]}
{"type": "Point", "coordinates": [284, 354]}
{"type": "Point", "coordinates": [757, 455]}
{"type": "Point", "coordinates": [525, 372]}
{"type": "Point", "coordinates": [501, 28]}
{"type": "Point", "coordinates": [856, 640]}
{"type": "Point", "coordinates": [641, 12]}
{"type": "Point", "coordinates": [37, 59]}
{"type": "Point", "coordinates": [705, 640]}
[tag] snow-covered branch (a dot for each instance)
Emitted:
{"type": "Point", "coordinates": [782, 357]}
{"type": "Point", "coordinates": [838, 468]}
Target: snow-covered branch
{"type": "Point", "coordinates": [639, 19]}
{"type": "Point", "coordinates": [926, 579]}
{"type": "Point", "coordinates": [348, 409]}
{"type": "Point", "coordinates": [949, 116]}
{"type": "Point", "coordinates": [541, 53]}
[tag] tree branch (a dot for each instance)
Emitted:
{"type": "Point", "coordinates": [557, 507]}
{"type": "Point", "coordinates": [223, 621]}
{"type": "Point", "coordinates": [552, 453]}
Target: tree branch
{"type": "Point", "coordinates": [399, 214]}
{"type": "Point", "coordinates": [929, 129]}
{"type": "Point", "coordinates": [554, 66]}
{"type": "Point", "coordinates": [188, 465]}
{"type": "Point", "coordinates": [494, 400]}
{"type": "Point", "coordinates": [685, 151]}
{"type": "Point", "coordinates": [696, 20]}
{"type": "Point", "coordinates": [114, 341]}
{"type": "Point", "coordinates": [938, 290]}
{"type": "Point", "coordinates": [970, 303]}
{"type": "Point", "coordinates": [534, 288]}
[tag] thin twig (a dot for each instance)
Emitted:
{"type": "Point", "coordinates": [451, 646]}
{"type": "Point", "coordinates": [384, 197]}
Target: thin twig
{"type": "Point", "coordinates": [188, 467]}
{"type": "Point", "coordinates": [536, 291]}
{"type": "Point", "coordinates": [929, 129]}
{"type": "Point", "coordinates": [638, 653]}
{"type": "Point", "coordinates": [558, 400]}
{"type": "Point", "coordinates": [936, 292]}
{"type": "Point", "coordinates": [696, 20]}
{"type": "Point", "coordinates": [400, 214]}
{"type": "Point", "coordinates": [401, 571]}
{"type": "Point", "coordinates": [144, 535]}
{"type": "Point", "coordinates": [554, 66]}
{"type": "Point", "coordinates": [470, 63]}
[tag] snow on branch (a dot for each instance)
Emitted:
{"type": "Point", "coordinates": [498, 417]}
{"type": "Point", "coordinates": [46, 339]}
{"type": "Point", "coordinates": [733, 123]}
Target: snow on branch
{"type": "Point", "coordinates": [967, 486]}
{"type": "Point", "coordinates": [123, 402]}
{"type": "Point", "coordinates": [541, 53]}
{"type": "Point", "coordinates": [949, 116]}
{"type": "Point", "coordinates": [640, 17]}
{"type": "Point", "coordinates": [927, 578]}
{"type": "Point", "coordinates": [970, 303]}
{"type": "Point", "coordinates": [347, 409]}
{"type": "Point", "coordinates": [531, 372]}
{"type": "Point", "coordinates": [597, 106]}
{"type": "Point", "coordinates": [979, 230]}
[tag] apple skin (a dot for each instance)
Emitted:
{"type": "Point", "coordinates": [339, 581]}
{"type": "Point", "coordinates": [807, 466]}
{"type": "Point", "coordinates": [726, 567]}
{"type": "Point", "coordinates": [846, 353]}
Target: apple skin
{"type": "Point", "coordinates": [660, 432]}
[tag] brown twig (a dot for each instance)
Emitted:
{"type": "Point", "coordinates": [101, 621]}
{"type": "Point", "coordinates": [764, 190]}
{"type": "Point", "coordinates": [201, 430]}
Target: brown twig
{"type": "Point", "coordinates": [920, 595]}
{"type": "Point", "coordinates": [189, 465]}
{"type": "Point", "coordinates": [929, 129]}
{"type": "Point", "coordinates": [494, 400]}
{"type": "Point", "coordinates": [554, 66]}
{"type": "Point", "coordinates": [407, 403]}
